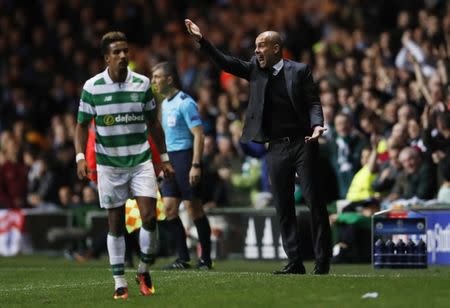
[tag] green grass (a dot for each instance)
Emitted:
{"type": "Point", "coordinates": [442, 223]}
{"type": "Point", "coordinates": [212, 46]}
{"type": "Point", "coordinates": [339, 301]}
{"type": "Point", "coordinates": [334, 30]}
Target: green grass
{"type": "Point", "coordinates": [30, 281]}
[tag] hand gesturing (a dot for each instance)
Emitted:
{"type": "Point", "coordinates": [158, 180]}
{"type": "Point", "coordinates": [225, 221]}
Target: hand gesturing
{"type": "Point", "coordinates": [318, 131]}
{"type": "Point", "coordinates": [193, 29]}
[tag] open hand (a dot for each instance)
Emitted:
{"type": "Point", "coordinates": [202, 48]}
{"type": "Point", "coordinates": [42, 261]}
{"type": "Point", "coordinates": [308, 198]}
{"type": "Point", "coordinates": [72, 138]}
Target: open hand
{"type": "Point", "coordinates": [194, 176]}
{"type": "Point", "coordinates": [318, 131]}
{"type": "Point", "coordinates": [82, 169]}
{"type": "Point", "coordinates": [374, 140]}
{"type": "Point", "coordinates": [193, 29]}
{"type": "Point", "coordinates": [167, 169]}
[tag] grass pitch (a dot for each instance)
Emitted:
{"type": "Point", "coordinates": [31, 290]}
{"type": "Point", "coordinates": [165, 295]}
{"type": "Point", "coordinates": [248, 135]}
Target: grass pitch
{"type": "Point", "coordinates": [30, 281]}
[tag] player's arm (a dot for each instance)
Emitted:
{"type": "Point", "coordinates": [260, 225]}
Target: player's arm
{"type": "Point", "coordinates": [310, 93]}
{"type": "Point", "coordinates": [227, 63]}
{"type": "Point", "coordinates": [81, 136]}
{"type": "Point", "coordinates": [157, 134]}
{"type": "Point", "coordinates": [189, 110]}
{"type": "Point", "coordinates": [86, 112]}
{"type": "Point", "coordinates": [195, 172]}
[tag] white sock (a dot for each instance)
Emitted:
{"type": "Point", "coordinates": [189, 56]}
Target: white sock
{"type": "Point", "coordinates": [147, 242]}
{"type": "Point", "coordinates": [142, 267]}
{"type": "Point", "coordinates": [116, 252]}
{"type": "Point", "coordinates": [120, 282]}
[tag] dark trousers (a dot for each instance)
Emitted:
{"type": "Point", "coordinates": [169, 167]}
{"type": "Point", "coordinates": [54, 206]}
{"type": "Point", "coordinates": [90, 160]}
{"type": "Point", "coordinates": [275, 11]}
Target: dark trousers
{"type": "Point", "coordinates": [285, 159]}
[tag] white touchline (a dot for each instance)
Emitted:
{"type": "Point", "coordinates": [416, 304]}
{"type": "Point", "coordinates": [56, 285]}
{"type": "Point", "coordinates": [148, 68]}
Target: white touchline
{"type": "Point", "coordinates": [56, 286]}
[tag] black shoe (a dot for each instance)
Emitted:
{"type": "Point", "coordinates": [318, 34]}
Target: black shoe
{"type": "Point", "coordinates": [321, 269]}
{"type": "Point", "coordinates": [178, 265]}
{"type": "Point", "coordinates": [204, 265]}
{"type": "Point", "coordinates": [292, 268]}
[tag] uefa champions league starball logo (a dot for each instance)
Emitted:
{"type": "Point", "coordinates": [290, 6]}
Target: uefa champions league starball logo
{"type": "Point", "coordinates": [134, 97]}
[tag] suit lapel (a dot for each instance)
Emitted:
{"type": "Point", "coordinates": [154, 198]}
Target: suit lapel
{"type": "Point", "coordinates": [289, 77]}
{"type": "Point", "coordinates": [261, 83]}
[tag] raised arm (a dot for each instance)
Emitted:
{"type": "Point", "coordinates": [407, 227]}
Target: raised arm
{"type": "Point", "coordinates": [442, 64]}
{"type": "Point", "coordinates": [372, 163]}
{"type": "Point", "coordinates": [227, 63]}
{"type": "Point", "coordinates": [421, 81]}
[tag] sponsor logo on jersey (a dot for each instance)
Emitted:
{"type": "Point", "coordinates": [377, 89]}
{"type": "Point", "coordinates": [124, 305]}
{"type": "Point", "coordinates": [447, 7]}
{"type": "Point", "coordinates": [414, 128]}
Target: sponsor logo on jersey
{"type": "Point", "coordinates": [108, 120]}
{"type": "Point", "coordinates": [122, 119]}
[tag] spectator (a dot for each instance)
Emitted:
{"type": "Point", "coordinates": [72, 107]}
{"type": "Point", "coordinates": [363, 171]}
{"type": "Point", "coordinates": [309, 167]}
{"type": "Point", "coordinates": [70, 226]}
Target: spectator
{"type": "Point", "coordinates": [41, 185]}
{"type": "Point", "coordinates": [212, 189]}
{"type": "Point", "coordinates": [388, 171]}
{"type": "Point", "coordinates": [227, 164]}
{"type": "Point", "coordinates": [444, 190]}
{"type": "Point", "coordinates": [437, 140]}
{"type": "Point", "coordinates": [13, 176]}
{"type": "Point", "coordinates": [410, 181]}
{"type": "Point", "coordinates": [361, 186]}
{"type": "Point", "coordinates": [345, 151]}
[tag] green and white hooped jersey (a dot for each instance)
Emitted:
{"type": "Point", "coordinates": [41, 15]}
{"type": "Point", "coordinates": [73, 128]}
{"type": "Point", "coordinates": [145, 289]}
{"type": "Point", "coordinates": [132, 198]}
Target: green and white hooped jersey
{"type": "Point", "coordinates": [120, 112]}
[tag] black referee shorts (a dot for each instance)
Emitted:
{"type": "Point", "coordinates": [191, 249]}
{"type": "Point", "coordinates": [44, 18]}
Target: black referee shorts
{"type": "Point", "coordinates": [179, 186]}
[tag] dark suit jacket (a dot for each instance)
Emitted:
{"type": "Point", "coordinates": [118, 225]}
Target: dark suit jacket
{"type": "Point", "coordinates": [300, 86]}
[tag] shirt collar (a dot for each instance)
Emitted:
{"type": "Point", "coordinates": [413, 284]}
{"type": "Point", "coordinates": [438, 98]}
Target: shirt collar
{"type": "Point", "coordinates": [277, 67]}
{"type": "Point", "coordinates": [108, 79]}
{"type": "Point", "coordinates": [173, 96]}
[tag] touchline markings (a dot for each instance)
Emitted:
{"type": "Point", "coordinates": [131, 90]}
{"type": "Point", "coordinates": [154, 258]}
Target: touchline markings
{"type": "Point", "coordinates": [197, 273]}
{"type": "Point", "coordinates": [355, 275]}
{"type": "Point", "coordinates": [55, 286]}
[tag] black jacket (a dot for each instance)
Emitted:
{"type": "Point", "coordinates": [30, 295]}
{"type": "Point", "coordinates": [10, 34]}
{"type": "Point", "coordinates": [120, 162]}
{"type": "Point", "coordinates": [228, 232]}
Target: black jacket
{"type": "Point", "coordinates": [300, 86]}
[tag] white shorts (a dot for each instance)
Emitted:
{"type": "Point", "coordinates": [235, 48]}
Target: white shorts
{"type": "Point", "coordinates": [116, 185]}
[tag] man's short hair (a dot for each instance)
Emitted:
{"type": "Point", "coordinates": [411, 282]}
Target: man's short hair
{"type": "Point", "coordinates": [276, 39]}
{"type": "Point", "coordinates": [111, 37]}
{"type": "Point", "coordinates": [169, 69]}
{"type": "Point", "coordinates": [407, 153]}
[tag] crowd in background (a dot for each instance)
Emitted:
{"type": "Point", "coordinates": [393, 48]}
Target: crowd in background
{"type": "Point", "coordinates": [381, 69]}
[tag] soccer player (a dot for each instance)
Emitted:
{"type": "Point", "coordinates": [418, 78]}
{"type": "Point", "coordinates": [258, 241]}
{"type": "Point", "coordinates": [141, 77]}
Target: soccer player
{"type": "Point", "coordinates": [122, 106]}
{"type": "Point", "coordinates": [184, 138]}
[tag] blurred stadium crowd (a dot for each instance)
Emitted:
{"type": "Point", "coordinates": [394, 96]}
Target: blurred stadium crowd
{"type": "Point", "coordinates": [381, 69]}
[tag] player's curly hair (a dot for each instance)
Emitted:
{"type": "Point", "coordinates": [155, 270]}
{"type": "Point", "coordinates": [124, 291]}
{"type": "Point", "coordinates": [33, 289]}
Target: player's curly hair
{"type": "Point", "coordinates": [111, 37]}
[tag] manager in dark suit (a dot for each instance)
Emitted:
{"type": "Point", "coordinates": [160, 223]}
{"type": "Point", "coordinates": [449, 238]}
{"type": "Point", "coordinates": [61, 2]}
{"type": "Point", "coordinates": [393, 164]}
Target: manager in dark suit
{"type": "Point", "coordinates": [284, 110]}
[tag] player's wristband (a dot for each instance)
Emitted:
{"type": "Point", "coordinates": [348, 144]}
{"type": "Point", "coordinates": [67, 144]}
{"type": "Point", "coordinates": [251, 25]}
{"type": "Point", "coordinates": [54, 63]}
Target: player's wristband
{"type": "Point", "coordinates": [80, 156]}
{"type": "Point", "coordinates": [164, 157]}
